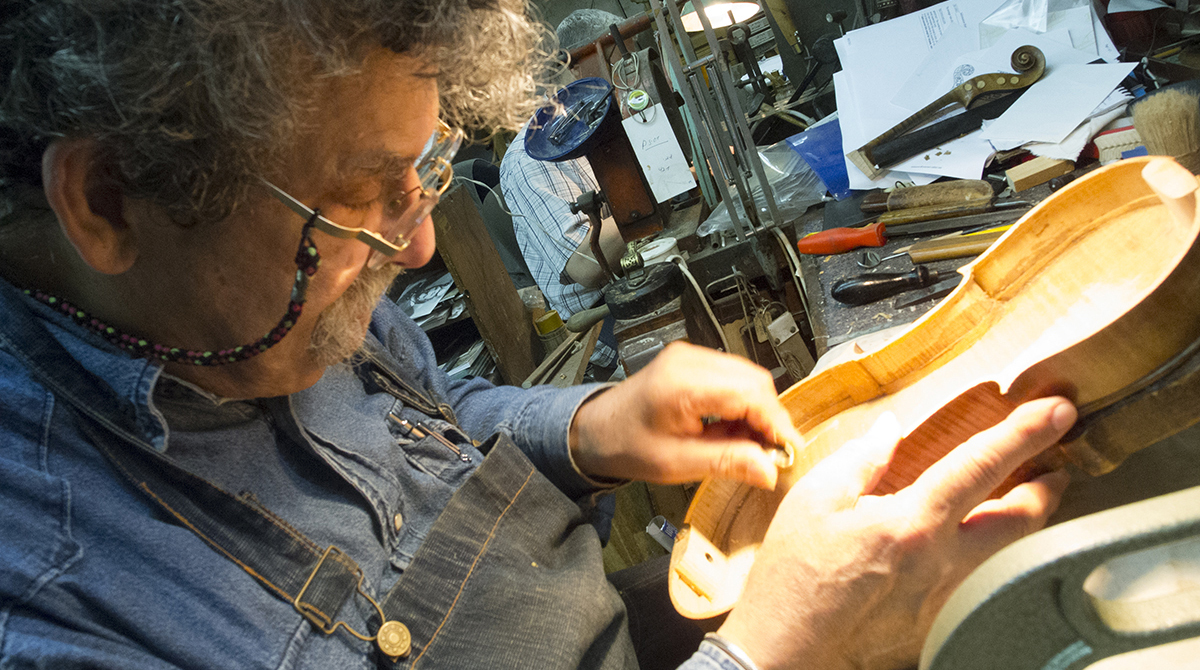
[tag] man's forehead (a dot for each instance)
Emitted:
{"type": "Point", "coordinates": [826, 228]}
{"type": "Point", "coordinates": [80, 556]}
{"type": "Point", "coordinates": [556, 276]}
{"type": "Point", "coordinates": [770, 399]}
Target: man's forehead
{"type": "Point", "coordinates": [378, 120]}
{"type": "Point", "coordinates": [379, 161]}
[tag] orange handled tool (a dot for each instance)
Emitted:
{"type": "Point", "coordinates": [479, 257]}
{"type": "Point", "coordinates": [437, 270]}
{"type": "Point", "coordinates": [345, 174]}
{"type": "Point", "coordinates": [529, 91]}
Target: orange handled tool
{"type": "Point", "coordinates": [838, 240]}
{"type": "Point", "coordinates": [902, 224]}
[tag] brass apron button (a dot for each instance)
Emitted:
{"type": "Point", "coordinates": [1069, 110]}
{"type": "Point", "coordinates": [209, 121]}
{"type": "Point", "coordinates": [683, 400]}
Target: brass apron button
{"type": "Point", "coordinates": [393, 639]}
{"type": "Point", "coordinates": [397, 522]}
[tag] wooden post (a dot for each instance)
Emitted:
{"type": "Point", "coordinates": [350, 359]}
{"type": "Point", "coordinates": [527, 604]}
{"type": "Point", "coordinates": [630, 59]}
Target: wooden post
{"type": "Point", "coordinates": [492, 300]}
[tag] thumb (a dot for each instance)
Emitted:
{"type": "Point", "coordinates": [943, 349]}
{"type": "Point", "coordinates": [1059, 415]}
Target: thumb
{"type": "Point", "coordinates": [853, 470]}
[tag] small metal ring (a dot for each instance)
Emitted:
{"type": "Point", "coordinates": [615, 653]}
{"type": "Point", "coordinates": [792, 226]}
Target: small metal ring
{"type": "Point", "coordinates": [869, 259]}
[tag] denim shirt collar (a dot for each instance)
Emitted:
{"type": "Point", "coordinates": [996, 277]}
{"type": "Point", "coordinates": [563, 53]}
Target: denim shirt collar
{"type": "Point", "coordinates": [98, 378]}
{"type": "Point", "coordinates": [80, 367]}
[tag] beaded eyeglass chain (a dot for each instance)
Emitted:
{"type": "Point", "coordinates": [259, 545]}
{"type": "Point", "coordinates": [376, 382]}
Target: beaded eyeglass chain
{"type": "Point", "coordinates": [308, 259]}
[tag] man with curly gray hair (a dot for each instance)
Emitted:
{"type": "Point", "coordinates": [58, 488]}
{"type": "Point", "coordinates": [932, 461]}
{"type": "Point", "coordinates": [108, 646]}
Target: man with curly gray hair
{"type": "Point", "coordinates": [217, 451]}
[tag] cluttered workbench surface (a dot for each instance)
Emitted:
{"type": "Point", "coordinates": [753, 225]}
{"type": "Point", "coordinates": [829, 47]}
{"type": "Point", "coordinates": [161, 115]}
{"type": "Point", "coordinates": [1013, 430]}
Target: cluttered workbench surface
{"type": "Point", "coordinates": [958, 93]}
{"type": "Point", "coordinates": [920, 285]}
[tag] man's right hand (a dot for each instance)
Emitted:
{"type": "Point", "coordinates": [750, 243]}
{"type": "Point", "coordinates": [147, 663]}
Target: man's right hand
{"type": "Point", "coordinates": [846, 580]}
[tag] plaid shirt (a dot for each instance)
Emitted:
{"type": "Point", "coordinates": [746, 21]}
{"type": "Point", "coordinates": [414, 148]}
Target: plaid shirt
{"type": "Point", "coordinates": [540, 194]}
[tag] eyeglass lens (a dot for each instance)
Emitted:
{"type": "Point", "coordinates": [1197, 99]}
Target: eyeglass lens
{"type": "Point", "coordinates": [434, 172]}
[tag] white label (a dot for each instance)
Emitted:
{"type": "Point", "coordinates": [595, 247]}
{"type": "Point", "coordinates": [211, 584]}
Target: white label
{"type": "Point", "coordinates": [759, 39]}
{"type": "Point", "coordinates": [659, 153]}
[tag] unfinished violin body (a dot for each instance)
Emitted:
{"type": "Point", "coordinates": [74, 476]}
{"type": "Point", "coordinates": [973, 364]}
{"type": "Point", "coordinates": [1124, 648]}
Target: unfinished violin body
{"type": "Point", "coordinates": [1092, 291]}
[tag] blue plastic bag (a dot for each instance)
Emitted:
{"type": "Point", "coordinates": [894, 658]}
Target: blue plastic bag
{"type": "Point", "coordinates": [821, 147]}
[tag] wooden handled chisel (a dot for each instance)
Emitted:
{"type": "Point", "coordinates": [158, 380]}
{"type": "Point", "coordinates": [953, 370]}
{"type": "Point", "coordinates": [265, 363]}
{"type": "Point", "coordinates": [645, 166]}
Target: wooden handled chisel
{"type": "Point", "coordinates": [957, 246]}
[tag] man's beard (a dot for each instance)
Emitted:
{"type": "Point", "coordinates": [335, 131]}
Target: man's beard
{"type": "Point", "coordinates": [340, 329]}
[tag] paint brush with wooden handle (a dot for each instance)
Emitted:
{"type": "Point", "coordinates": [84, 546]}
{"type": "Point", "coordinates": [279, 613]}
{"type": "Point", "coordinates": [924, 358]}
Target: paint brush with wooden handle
{"type": "Point", "coordinates": [1168, 121]}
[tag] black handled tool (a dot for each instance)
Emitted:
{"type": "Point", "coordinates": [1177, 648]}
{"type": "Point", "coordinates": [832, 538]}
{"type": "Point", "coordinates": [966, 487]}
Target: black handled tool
{"type": "Point", "coordinates": [936, 292]}
{"type": "Point", "coordinates": [865, 289]}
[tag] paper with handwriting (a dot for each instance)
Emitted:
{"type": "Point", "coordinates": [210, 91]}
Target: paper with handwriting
{"type": "Point", "coordinates": [662, 160]}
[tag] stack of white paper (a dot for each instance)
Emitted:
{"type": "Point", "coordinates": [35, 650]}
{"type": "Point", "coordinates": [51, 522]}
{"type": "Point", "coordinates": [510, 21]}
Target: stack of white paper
{"type": "Point", "coordinates": [893, 69]}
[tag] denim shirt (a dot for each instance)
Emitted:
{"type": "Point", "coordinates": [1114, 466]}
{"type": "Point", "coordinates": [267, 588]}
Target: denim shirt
{"type": "Point", "coordinates": [94, 575]}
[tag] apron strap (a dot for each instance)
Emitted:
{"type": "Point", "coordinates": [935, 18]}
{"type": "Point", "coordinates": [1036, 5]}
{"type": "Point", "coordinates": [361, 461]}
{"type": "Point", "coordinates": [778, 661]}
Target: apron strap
{"type": "Point", "coordinates": [317, 582]}
{"type": "Point", "coordinates": [510, 559]}
{"type": "Point", "coordinates": [507, 525]}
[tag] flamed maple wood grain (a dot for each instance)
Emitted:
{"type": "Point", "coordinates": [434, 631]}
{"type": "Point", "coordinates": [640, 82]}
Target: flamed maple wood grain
{"type": "Point", "coordinates": [1094, 288]}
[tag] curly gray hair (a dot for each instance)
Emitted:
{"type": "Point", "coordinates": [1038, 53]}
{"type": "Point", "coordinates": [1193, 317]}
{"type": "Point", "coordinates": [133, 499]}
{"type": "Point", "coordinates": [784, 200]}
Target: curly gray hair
{"type": "Point", "coordinates": [188, 99]}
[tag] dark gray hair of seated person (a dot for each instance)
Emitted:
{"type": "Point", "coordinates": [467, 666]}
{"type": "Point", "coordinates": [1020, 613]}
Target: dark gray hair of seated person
{"type": "Point", "coordinates": [583, 26]}
{"type": "Point", "coordinates": [191, 100]}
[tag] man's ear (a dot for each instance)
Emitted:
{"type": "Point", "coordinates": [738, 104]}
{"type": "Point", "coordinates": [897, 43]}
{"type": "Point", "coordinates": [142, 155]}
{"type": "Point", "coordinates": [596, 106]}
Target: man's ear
{"type": "Point", "coordinates": [89, 205]}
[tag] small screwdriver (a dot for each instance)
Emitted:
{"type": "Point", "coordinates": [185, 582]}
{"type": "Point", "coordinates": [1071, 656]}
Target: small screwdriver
{"type": "Point", "coordinates": [867, 288]}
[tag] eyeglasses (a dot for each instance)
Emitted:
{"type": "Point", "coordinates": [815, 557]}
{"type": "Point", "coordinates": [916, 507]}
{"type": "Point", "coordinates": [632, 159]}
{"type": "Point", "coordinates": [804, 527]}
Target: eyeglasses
{"type": "Point", "coordinates": [401, 215]}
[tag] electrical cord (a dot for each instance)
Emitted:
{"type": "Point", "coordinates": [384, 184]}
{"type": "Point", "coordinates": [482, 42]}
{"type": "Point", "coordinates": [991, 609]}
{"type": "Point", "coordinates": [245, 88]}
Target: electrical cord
{"type": "Point", "coordinates": [807, 120]}
{"type": "Point", "coordinates": [678, 260]}
{"type": "Point", "coordinates": [555, 239]}
{"type": "Point", "coordinates": [620, 79]}
{"type": "Point", "coordinates": [490, 188]}
{"type": "Point", "coordinates": [794, 269]}
{"type": "Point", "coordinates": [790, 116]}
{"type": "Point", "coordinates": [743, 292]}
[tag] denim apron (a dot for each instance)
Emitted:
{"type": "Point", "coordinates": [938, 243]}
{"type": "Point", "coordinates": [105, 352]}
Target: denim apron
{"type": "Point", "coordinates": [509, 576]}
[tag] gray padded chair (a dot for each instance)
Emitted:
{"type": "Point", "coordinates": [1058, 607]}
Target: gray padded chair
{"type": "Point", "coordinates": [500, 227]}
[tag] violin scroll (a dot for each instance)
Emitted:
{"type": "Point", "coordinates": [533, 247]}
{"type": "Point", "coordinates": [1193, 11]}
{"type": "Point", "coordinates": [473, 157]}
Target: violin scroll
{"type": "Point", "coordinates": [1029, 59]}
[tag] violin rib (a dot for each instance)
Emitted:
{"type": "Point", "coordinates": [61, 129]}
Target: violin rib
{"type": "Point", "coordinates": [1091, 291]}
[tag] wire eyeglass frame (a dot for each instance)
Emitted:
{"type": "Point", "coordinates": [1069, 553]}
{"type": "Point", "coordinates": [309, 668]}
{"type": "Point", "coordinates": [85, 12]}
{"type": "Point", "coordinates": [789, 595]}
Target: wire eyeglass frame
{"type": "Point", "coordinates": [401, 215]}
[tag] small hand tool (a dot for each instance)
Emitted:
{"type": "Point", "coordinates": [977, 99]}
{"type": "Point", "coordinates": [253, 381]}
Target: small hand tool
{"type": "Point", "coordinates": [783, 450]}
{"type": "Point", "coordinates": [420, 431]}
{"type": "Point", "coordinates": [954, 245]}
{"type": "Point", "coordinates": [1029, 63]}
{"type": "Point", "coordinates": [868, 288]}
{"type": "Point", "coordinates": [936, 292]}
{"type": "Point", "coordinates": [839, 240]}
{"type": "Point", "coordinates": [784, 453]}
{"type": "Point", "coordinates": [937, 212]}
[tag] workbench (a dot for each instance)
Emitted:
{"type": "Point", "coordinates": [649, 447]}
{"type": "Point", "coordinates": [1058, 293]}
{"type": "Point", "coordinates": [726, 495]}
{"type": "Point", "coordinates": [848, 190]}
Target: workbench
{"type": "Point", "coordinates": [834, 323]}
